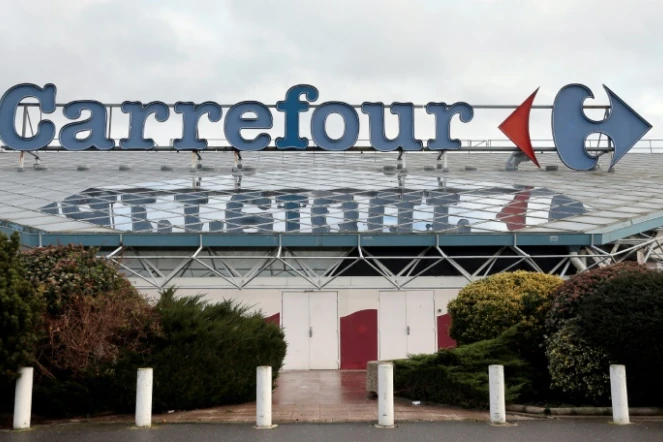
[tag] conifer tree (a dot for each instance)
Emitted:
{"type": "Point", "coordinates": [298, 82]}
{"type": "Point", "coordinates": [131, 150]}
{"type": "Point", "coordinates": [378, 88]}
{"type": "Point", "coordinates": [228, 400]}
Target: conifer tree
{"type": "Point", "coordinates": [20, 310]}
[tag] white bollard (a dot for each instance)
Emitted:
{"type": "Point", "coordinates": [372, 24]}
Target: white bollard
{"type": "Point", "coordinates": [23, 398]}
{"type": "Point", "coordinates": [619, 394]}
{"type": "Point", "coordinates": [264, 398]}
{"type": "Point", "coordinates": [496, 386]}
{"type": "Point", "coordinates": [144, 398]}
{"type": "Point", "coordinates": [385, 395]}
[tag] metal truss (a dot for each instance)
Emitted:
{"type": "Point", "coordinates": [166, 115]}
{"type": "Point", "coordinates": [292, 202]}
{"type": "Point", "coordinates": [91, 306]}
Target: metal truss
{"type": "Point", "coordinates": [316, 269]}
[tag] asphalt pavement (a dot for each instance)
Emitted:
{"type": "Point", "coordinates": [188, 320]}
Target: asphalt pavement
{"type": "Point", "coordinates": [460, 431]}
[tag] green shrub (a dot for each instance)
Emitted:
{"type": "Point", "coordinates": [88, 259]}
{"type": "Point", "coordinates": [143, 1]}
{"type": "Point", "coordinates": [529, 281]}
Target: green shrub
{"type": "Point", "coordinates": [93, 320]}
{"type": "Point", "coordinates": [93, 312]}
{"type": "Point", "coordinates": [486, 308]}
{"type": "Point", "coordinates": [578, 369]}
{"type": "Point", "coordinates": [459, 376]}
{"type": "Point", "coordinates": [70, 271]}
{"type": "Point", "coordinates": [20, 310]}
{"type": "Point", "coordinates": [207, 354]}
{"type": "Point", "coordinates": [625, 319]}
{"type": "Point", "coordinates": [20, 313]}
{"type": "Point", "coordinates": [566, 297]}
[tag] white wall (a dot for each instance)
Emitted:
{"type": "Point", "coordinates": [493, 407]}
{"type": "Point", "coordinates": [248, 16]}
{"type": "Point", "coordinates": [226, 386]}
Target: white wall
{"type": "Point", "coordinates": [289, 283]}
{"type": "Point", "coordinates": [354, 294]}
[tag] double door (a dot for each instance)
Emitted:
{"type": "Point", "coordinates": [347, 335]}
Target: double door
{"type": "Point", "coordinates": [406, 324]}
{"type": "Point", "coordinates": [310, 322]}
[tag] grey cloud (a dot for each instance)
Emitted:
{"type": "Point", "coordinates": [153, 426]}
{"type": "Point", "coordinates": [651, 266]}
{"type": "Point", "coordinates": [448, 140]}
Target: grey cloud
{"type": "Point", "coordinates": [479, 51]}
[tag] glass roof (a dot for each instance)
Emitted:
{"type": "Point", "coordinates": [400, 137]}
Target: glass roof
{"type": "Point", "coordinates": [321, 193]}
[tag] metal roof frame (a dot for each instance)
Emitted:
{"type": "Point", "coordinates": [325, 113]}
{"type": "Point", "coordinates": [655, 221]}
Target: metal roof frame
{"type": "Point", "coordinates": [36, 238]}
{"type": "Point", "coordinates": [158, 269]}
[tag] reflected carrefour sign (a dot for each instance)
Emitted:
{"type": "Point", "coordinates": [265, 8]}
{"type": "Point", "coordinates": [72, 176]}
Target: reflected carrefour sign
{"type": "Point", "coordinates": [460, 206]}
{"type": "Point", "coordinates": [570, 125]}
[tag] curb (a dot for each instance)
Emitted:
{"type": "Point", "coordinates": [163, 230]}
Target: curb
{"type": "Point", "coordinates": [581, 411]}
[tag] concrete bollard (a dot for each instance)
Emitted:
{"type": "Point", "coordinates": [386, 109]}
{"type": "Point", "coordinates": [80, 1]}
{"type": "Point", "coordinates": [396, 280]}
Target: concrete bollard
{"type": "Point", "coordinates": [386, 395]}
{"type": "Point", "coordinates": [144, 398]}
{"type": "Point", "coordinates": [619, 394]}
{"type": "Point", "coordinates": [497, 402]}
{"type": "Point", "coordinates": [23, 398]}
{"type": "Point", "coordinates": [264, 398]}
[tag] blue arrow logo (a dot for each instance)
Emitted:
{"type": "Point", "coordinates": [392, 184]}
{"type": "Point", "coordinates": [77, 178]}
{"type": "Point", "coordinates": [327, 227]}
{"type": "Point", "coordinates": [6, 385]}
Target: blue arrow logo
{"type": "Point", "coordinates": [571, 127]}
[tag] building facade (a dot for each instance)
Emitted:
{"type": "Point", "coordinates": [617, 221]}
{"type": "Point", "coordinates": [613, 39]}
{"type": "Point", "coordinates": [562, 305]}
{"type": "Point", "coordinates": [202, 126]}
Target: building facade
{"type": "Point", "coordinates": [355, 253]}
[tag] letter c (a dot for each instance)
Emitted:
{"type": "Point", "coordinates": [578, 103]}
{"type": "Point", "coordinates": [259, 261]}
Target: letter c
{"type": "Point", "coordinates": [8, 106]}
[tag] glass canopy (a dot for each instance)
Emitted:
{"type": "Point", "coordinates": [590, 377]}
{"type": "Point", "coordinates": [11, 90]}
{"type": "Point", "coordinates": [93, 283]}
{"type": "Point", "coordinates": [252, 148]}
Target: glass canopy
{"type": "Point", "coordinates": [163, 193]}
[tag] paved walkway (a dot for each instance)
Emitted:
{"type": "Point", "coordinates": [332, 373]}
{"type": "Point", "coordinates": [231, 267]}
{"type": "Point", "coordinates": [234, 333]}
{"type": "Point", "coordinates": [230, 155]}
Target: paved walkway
{"type": "Point", "coordinates": [318, 396]}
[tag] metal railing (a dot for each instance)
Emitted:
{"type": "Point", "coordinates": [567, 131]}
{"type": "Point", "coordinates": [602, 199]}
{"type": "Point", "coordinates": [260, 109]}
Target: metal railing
{"type": "Point", "coordinates": [482, 145]}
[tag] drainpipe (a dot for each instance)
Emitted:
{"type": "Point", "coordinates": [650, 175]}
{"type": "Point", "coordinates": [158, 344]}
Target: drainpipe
{"type": "Point", "coordinates": [577, 262]}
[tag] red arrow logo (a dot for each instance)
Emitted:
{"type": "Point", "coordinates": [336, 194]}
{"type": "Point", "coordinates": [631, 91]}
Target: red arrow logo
{"type": "Point", "coordinates": [516, 128]}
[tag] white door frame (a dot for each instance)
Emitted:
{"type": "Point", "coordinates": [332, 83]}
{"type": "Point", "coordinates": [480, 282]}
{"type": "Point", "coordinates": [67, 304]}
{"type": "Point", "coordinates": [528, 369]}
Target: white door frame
{"type": "Point", "coordinates": [308, 319]}
{"type": "Point", "coordinates": [405, 292]}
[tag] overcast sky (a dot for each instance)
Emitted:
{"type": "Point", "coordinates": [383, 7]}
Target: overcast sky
{"type": "Point", "coordinates": [478, 51]}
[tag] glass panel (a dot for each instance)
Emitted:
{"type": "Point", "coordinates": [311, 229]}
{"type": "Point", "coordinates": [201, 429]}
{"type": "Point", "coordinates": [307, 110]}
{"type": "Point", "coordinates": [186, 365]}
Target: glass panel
{"type": "Point", "coordinates": [318, 193]}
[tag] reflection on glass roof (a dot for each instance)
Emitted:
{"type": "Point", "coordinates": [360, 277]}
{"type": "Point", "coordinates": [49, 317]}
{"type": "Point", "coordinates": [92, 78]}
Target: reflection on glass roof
{"type": "Point", "coordinates": [211, 204]}
{"type": "Point", "coordinates": [316, 193]}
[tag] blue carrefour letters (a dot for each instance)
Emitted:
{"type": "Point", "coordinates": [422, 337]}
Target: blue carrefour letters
{"type": "Point", "coordinates": [89, 126]}
{"type": "Point", "coordinates": [405, 139]}
{"type": "Point", "coordinates": [138, 114]}
{"type": "Point", "coordinates": [191, 114]}
{"type": "Point", "coordinates": [443, 115]}
{"type": "Point", "coordinates": [292, 106]}
{"type": "Point", "coordinates": [95, 124]}
{"type": "Point", "coordinates": [8, 106]}
{"type": "Point", "coordinates": [236, 121]}
{"type": "Point", "coordinates": [350, 123]}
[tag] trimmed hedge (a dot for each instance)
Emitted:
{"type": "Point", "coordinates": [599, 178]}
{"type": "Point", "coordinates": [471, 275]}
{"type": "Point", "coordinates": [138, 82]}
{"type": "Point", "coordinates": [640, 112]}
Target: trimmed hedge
{"type": "Point", "coordinates": [207, 354]}
{"type": "Point", "coordinates": [625, 319]}
{"type": "Point", "coordinates": [459, 376]}
{"type": "Point", "coordinates": [486, 308]}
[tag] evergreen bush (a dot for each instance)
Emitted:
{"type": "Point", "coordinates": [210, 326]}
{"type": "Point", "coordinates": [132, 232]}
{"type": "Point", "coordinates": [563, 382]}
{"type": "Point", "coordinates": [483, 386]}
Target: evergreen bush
{"type": "Point", "coordinates": [625, 318]}
{"type": "Point", "coordinates": [578, 369]}
{"type": "Point", "coordinates": [20, 313]}
{"type": "Point", "coordinates": [67, 271]}
{"type": "Point", "coordinates": [459, 376]}
{"type": "Point", "coordinates": [20, 310]}
{"type": "Point", "coordinates": [567, 296]}
{"type": "Point", "coordinates": [486, 308]}
{"type": "Point", "coordinates": [207, 354]}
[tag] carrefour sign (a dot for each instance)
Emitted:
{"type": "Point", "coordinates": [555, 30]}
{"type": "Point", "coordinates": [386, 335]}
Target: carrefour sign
{"type": "Point", "coordinates": [570, 125]}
